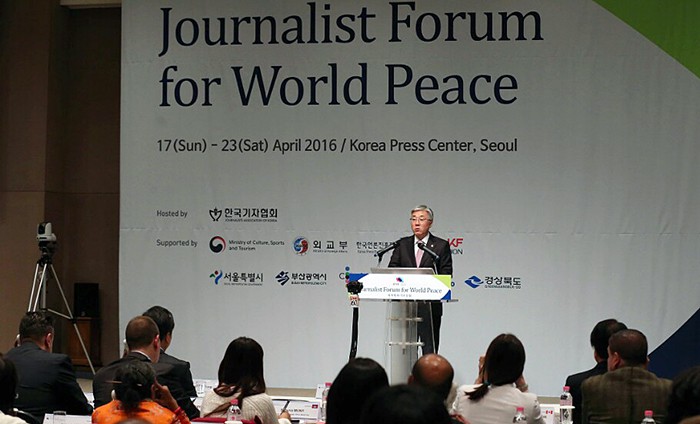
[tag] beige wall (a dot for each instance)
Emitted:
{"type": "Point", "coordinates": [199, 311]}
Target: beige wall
{"type": "Point", "coordinates": [59, 155]}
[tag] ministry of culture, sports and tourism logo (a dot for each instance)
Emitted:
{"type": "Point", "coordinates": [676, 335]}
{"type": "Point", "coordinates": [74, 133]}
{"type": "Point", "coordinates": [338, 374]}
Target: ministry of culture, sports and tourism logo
{"type": "Point", "coordinates": [300, 245]}
{"type": "Point", "coordinates": [217, 244]}
{"type": "Point", "coordinates": [216, 275]}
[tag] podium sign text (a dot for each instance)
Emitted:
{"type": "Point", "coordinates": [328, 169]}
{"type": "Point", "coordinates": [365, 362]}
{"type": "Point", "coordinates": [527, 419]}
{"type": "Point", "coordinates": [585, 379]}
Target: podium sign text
{"type": "Point", "coordinates": [404, 286]}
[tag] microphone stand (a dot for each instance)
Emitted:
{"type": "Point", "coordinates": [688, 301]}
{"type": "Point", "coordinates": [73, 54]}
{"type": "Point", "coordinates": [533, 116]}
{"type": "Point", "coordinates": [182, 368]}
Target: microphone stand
{"type": "Point", "coordinates": [354, 289]}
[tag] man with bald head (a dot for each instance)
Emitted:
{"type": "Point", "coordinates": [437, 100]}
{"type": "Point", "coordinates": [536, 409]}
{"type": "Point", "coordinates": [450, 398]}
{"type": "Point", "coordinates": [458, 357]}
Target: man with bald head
{"type": "Point", "coordinates": [143, 341]}
{"type": "Point", "coordinates": [435, 373]}
{"type": "Point", "coordinates": [623, 393]}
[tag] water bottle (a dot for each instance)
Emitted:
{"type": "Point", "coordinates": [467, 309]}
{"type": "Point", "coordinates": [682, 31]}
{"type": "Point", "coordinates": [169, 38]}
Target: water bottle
{"type": "Point", "coordinates": [234, 411]}
{"type": "Point", "coordinates": [648, 417]}
{"type": "Point", "coordinates": [520, 416]}
{"type": "Point", "coordinates": [566, 403]}
{"type": "Point", "coordinates": [323, 410]}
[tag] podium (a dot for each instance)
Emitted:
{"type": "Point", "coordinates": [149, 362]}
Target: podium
{"type": "Point", "coordinates": [403, 289]}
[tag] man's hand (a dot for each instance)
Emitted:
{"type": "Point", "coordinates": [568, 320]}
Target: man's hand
{"type": "Point", "coordinates": [162, 395]}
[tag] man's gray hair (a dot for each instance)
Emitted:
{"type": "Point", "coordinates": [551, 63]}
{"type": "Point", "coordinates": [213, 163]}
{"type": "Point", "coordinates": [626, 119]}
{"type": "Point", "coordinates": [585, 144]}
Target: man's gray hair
{"type": "Point", "coordinates": [421, 208]}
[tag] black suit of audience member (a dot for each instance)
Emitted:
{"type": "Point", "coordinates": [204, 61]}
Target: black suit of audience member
{"type": "Point", "coordinates": [176, 374]}
{"type": "Point", "coordinates": [574, 382]}
{"type": "Point", "coordinates": [47, 381]}
{"type": "Point", "coordinates": [177, 377]}
{"type": "Point", "coordinates": [102, 383]}
{"type": "Point", "coordinates": [599, 341]}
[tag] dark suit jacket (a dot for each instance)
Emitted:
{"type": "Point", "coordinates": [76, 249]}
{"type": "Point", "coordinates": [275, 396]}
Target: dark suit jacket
{"type": "Point", "coordinates": [179, 381]}
{"type": "Point", "coordinates": [574, 382]}
{"type": "Point", "coordinates": [404, 256]}
{"type": "Point", "coordinates": [622, 395]}
{"type": "Point", "coordinates": [170, 372]}
{"type": "Point", "coordinates": [47, 382]}
{"type": "Point", "coordinates": [101, 383]}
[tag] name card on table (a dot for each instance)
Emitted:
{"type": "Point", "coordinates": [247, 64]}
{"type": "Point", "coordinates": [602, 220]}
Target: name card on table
{"type": "Point", "coordinates": [67, 419]}
{"type": "Point", "coordinates": [300, 408]}
{"type": "Point", "coordinates": [549, 413]}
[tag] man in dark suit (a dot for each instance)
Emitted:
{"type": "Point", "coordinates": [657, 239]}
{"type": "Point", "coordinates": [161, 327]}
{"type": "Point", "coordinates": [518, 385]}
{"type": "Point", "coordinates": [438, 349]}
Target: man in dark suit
{"type": "Point", "coordinates": [179, 379]}
{"type": "Point", "coordinates": [143, 343]}
{"type": "Point", "coordinates": [405, 256]}
{"type": "Point", "coordinates": [47, 381]}
{"type": "Point", "coordinates": [599, 341]}
{"type": "Point", "coordinates": [623, 393]}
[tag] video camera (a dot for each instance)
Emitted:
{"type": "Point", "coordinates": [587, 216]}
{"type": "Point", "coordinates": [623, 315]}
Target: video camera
{"type": "Point", "coordinates": [46, 238]}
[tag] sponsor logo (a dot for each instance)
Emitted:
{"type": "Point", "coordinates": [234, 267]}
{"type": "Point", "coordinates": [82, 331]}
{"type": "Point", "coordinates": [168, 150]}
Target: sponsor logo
{"type": "Point", "coordinates": [455, 244]}
{"type": "Point", "coordinates": [216, 275]}
{"type": "Point", "coordinates": [300, 245]}
{"type": "Point", "coordinates": [228, 278]}
{"type": "Point", "coordinates": [371, 246]}
{"type": "Point", "coordinates": [282, 277]}
{"type": "Point", "coordinates": [232, 245]}
{"type": "Point", "coordinates": [345, 275]}
{"type": "Point", "coordinates": [302, 278]}
{"type": "Point", "coordinates": [244, 214]}
{"type": "Point", "coordinates": [330, 246]}
{"type": "Point", "coordinates": [217, 244]}
{"type": "Point", "coordinates": [495, 282]}
{"type": "Point", "coordinates": [473, 281]}
{"type": "Point", "coordinates": [215, 214]}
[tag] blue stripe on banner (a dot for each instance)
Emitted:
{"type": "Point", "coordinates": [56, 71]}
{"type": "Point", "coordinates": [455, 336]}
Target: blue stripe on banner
{"type": "Point", "coordinates": [678, 352]}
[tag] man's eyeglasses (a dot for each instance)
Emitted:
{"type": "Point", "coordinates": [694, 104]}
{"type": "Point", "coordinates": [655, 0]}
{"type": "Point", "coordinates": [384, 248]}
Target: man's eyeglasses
{"type": "Point", "coordinates": [421, 219]}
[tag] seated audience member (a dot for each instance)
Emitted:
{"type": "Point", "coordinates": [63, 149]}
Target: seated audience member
{"type": "Point", "coordinates": [684, 402]}
{"type": "Point", "coordinates": [241, 377]}
{"type": "Point", "coordinates": [599, 341]}
{"type": "Point", "coordinates": [404, 404]}
{"type": "Point", "coordinates": [355, 383]}
{"type": "Point", "coordinates": [435, 373]}
{"type": "Point", "coordinates": [623, 393]}
{"type": "Point", "coordinates": [8, 390]}
{"type": "Point", "coordinates": [501, 387]}
{"type": "Point", "coordinates": [47, 381]}
{"type": "Point", "coordinates": [144, 346]}
{"type": "Point", "coordinates": [138, 395]}
{"type": "Point", "coordinates": [179, 378]}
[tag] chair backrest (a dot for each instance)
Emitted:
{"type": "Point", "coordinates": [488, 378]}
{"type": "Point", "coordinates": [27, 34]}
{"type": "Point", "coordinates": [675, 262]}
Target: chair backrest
{"type": "Point", "coordinates": [25, 416]}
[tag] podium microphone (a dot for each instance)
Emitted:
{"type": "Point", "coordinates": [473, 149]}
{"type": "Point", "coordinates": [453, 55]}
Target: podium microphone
{"type": "Point", "coordinates": [424, 248]}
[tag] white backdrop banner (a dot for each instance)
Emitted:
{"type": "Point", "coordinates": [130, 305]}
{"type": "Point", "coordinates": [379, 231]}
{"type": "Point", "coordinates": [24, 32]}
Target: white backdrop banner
{"type": "Point", "coordinates": [269, 147]}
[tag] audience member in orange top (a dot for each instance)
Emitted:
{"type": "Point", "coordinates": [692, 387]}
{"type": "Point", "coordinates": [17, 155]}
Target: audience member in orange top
{"type": "Point", "coordinates": [139, 396]}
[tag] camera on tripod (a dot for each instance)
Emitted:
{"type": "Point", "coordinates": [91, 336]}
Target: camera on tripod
{"type": "Point", "coordinates": [46, 238]}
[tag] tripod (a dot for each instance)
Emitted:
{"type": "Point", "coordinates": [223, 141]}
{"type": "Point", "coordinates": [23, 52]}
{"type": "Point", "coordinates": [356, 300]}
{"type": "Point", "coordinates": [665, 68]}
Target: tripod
{"type": "Point", "coordinates": [38, 296]}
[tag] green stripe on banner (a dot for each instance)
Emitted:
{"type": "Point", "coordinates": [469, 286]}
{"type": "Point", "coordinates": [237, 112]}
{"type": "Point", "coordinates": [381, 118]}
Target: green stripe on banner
{"type": "Point", "coordinates": [671, 25]}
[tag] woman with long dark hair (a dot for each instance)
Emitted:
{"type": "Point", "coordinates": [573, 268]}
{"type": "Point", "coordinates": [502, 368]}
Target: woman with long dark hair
{"type": "Point", "coordinates": [139, 396]}
{"type": "Point", "coordinates": [355, 383]}
{"type": "Point", "coordinates": [241, 377]}
{"type": "Point", "coordinates": [496, 396]}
